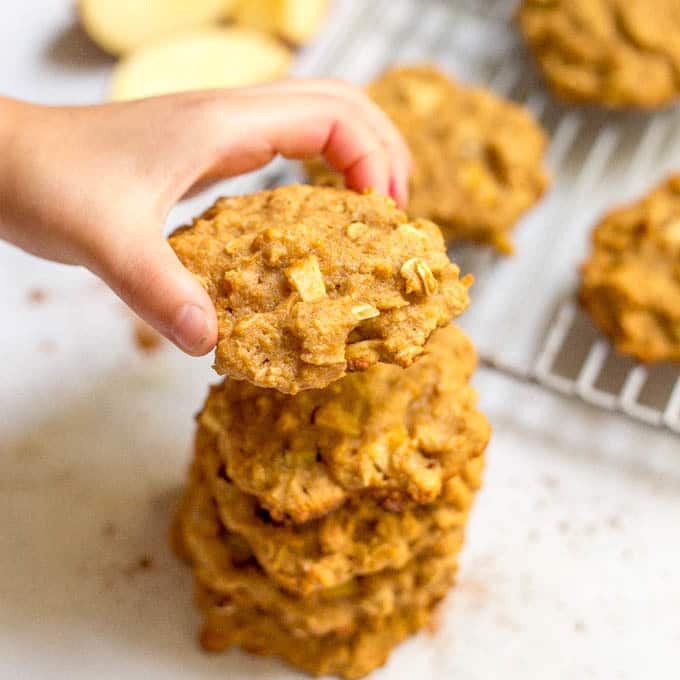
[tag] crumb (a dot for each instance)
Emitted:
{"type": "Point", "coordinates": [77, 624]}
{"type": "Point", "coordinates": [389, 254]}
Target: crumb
{"type": "Point", "coordinates": [580, 626]}
{"type": "Point", "coordinates": [147, 339]}
{"type": "Point", "coordinates": [37, 295]}
{"type": "Point", "coordinates": [109, 530]}
{"type": "Point", "coordinates": [143, 563]}
{"type": "Point", "coordinates": [506, 622]}
{"type": "Point", "coordinates": [476, 591]}
{"type": "Point", "coordinates": [434, 625]}
{"type": "Point", "coordinates": [626, 554]}
{"type": "Point", "coordinates": [533, 536]}
{"type": "Point", "coordinates": [563, 527]}
{"type": "Point", "coordinates": [614, 522]}
{"type": "Point", "coordinates": [551, 482]}
{"type": "Point", "coordinates": [47, 346]}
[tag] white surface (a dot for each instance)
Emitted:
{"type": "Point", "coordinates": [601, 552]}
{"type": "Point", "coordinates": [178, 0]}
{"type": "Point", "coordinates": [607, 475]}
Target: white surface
{"type": "Point", "coordinates": [572, 564]}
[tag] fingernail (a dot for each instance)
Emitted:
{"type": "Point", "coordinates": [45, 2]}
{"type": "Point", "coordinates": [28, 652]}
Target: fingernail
{"type": "Point", "coordinates": [399, 191]}
{"type": "Point", "coordinates": [404, 191]}
{"type": "Point", "coordinates": [393, 188]}
{"type": "Point", "coordinates": [191, 328]}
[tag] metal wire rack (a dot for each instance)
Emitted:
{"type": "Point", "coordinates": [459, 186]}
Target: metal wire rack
{"type": "Point", "coordinates": [524, 319]}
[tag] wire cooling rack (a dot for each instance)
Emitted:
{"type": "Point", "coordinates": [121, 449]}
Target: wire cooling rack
{"type": "Point", "coordinates": [524, 319]}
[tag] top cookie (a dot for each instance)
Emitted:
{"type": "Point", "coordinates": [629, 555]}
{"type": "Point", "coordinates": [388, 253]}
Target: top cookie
{"type": "Point", "coordinates": [478, 159]}
{"type": "Point", "coordinates": [393, 434]}
{"type": "Point", "coordinates": [616, 53]}
{"type": "Point", "coordinates": [631, 283]}
{"type": "Point", "coordinates": [310, 283]}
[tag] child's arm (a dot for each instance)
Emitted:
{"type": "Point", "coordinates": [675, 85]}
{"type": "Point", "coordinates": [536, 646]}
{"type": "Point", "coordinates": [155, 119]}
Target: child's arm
{"type": "Point", "coordinates": [93, 185]}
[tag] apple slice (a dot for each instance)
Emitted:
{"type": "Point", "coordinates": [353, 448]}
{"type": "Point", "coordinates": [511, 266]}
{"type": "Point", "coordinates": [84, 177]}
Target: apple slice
{"type": "Point", "coordinates": [120, 26]}
{"type": "Point", "coordinates": [262, 15]}
{"type": "Point", "coordinates": [294, 20]}
{"type": "Point", "coordinates": [198, 60]}
{"type": "Point", "coordinates": [302, 19]}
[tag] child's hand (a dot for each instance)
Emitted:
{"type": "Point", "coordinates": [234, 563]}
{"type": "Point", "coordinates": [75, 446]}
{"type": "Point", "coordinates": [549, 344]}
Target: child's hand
{"type": "Point", "coordinates": [93, 185]}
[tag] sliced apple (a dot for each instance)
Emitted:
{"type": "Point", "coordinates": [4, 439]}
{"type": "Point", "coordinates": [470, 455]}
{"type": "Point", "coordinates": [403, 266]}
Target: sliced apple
{"type": "Point", "coordinates": [294, 20]}
{"type": "Point", "coordinates": [228, 7]}
{"type": "Point", "coordinates": [206, 59]}
{"type": "Point", "coordinates": [262, 15]}
{"type": "Point", "coordinates": [120, 26]}
{"type": "Point", "coordinates": [302, 19]}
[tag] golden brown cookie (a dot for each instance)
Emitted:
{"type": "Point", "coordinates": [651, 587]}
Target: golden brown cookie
{"type": "Point", "coordinates": [395, 434]}
{"type": "Point", "coordinates": [349, 656]}
{"type": "Point", "coordinates": [478, 159]}
{"type": "Point", "coordinates": [310, 283]}
{"type": "Point", "coordinates": [224, 563]}
{"type": "Point", "coordinates": [359, 538]}
{"type": "Point", "coordinates": [631, 282]}
{"type": "Point", "coordinates": [616, 53]}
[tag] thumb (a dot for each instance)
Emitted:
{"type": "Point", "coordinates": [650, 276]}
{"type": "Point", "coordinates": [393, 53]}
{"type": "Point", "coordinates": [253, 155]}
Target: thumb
{"type": "Point", "coordinates": [149, 278]}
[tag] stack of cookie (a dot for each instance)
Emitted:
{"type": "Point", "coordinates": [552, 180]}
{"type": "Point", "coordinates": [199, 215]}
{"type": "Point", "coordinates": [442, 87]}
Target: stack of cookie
{"type": "Point", "coordinates": [336, 465]}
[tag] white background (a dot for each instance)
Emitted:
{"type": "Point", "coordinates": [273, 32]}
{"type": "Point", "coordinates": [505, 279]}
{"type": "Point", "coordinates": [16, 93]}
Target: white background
{"type": "Point", "coordinates": [572, 567]}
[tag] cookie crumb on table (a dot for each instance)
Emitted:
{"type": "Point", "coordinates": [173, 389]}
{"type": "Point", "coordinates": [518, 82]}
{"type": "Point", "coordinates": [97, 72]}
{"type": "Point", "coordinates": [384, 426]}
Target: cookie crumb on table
{"type": "Point", "coordinates": [140, 565]}
{"type": "Point", "coordinates": [37, 296]}
{"type": "Point", "coordinates": [47, 346]}
{"type": "Point", "coordinates": [145, 562]}
{"type": "Point", "coordinates": [146, 338]}
{"type": "Point", "coordinates": [109, 530]}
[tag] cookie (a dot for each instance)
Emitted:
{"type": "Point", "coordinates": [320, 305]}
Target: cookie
{"type": "Point", "coordinates": [359, 538]}
{"type": "Point", "coordinates": [395, 434]}
{"type": "Point", "coordinates": [478, 159]}
{"type": "Point", "coordinates": [224, 564]}
{"type": "Point", "coordinates": [615, 53]}
{"type": "Point", "coordinates": [631, 282]}
{"type": "Point", "coordinates": [349, 656]}
{"type": "Point", "coordinates": [310, 283]}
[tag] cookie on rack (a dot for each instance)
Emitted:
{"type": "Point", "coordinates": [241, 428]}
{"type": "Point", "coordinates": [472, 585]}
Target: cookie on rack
{"type": "Point", "coordinates": [395, 435]}
{"type": "Point", "coordinates": [224, 563]}
{"type": "Point", "coordinates": [631, 281]}
{"type": "Point", "coordinates": [310, 283]}
{"type": "Point", "coordinates": [615, 53]}
{"type": "Point", "coordinates": [359, 538]}
{"type": "Point", "coordinates": [478, 159]}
